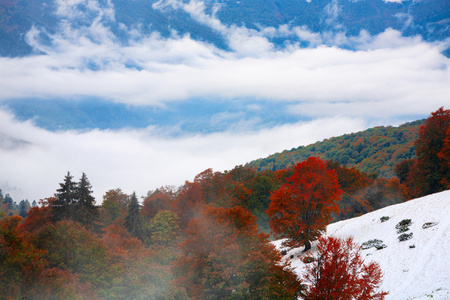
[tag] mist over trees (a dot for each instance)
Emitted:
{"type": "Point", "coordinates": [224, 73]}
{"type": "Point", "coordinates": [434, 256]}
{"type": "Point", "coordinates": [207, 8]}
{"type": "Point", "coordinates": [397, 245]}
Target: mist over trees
{"type": "Point", "coordinates": [209, 238]}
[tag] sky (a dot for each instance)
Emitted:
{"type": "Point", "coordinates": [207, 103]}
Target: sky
{"type": "Point", "coordinates": [336, 85]}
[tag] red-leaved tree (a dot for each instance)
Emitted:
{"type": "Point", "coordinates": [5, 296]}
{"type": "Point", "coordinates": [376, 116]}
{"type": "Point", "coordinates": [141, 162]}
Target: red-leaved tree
{"type": "Point", "coordinates": [301, 209]}
{"type": "Point", "coordinates": [430, 167]}
{"type": "Point", "coordinates": [338, 272]}
{"type": "Point", "coordinates": [225, 257]}
{"type": "Point", "coordinates": [444, 156]}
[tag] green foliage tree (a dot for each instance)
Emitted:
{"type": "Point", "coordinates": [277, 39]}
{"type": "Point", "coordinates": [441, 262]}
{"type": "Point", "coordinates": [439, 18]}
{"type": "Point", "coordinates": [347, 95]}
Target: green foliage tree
{"type": "Point", "coordinates": [115, 205]}
{"type": "Point", "coordinates": [375, 150]}
{"type": "Point", "coordinates": [70, 246]}
{"type": "Point", "coordinates": [164, 229]}
{"type": "Point", "coordinates": [24, 207]}
{"type": "Point", "coordinates": [8, 201]}
{"type": "Point", "coordinates": [133, 220]}
{"type": "Point", "coordinates": [142, 275]}
{"type": "Point", "coordinates": [403, 169]}
{"type": "Point", "coordinates": [85, 210]}
{"type": "Point", "coordinates": [258, 202]}
{"type": "Point", "coordinates": [66, 197]}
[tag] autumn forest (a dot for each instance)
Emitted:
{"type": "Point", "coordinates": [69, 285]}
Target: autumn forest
{"type": "Point", "coordinates": [211, 237]}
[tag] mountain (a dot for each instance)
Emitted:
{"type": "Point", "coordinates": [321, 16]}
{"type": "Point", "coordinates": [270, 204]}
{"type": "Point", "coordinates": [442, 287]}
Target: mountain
{"type": "Point", "coordinates": [428, 18]}
{"type": "Point", "coordinates": [413, 269]}
{"type": "Point", "coordinates": [375, 150]}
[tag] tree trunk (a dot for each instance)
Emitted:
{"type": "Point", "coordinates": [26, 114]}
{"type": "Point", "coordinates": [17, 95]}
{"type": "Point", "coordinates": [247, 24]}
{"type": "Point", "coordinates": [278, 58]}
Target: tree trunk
{"type": "Point", "coordinates": [307, 246]}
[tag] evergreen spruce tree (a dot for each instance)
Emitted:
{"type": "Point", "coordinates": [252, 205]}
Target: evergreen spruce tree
{"type": "Point", "coordinates": [133, 222]}
{"type": "Point", "coordinates": [85, 210]}
{"type": "Point", "coordinates": [66, 197]}
{"type": "Point", "coordinates": [34, 204]}
{"type": "Point", "coordinates": [9, 201]}
{"type": "Point", "coordinates": [24, 207]}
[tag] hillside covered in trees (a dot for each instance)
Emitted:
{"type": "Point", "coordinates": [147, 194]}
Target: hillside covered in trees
{"type": "Point", "coordinates": [375, 150]}
{"type": "Point", "coordinates": [209, 238]}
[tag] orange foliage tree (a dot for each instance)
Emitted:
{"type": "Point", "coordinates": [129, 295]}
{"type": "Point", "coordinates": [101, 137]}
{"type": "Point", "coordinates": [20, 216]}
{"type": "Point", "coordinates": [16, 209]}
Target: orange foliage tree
{"type": "Point", "coordinates": [338, 272]}
{"type": "Point", "coordinates": [301, 209]}
{"type": "Point", "coordinates": [161, 199]}
{"type": "Point", "coordinates": [38, 217]}
{"type": "Point", "coordinates": [225, 257]}
{"type": "Point", "coordinates": [21, 263]}
{"type": "Point", "coordinates": [428, 144]}
{"type": "Point", "coordinates": [25, 272]}
{"type": "Point", "coordinates": [444, 156]}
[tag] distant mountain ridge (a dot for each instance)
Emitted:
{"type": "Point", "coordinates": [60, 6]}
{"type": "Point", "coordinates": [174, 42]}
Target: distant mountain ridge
{"type": "Point", "coordinates": [428, 18]}
{"type": "Point", "coordinates": [375, 150]}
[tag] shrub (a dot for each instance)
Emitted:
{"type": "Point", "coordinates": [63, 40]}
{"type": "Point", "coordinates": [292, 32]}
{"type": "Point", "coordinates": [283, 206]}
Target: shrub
{"type": "Point", "coordinates": [338, 272]}
{"type": "Point", "coordinates": [403, 223]}
{"type": "Point", "coordinates": [384, 219]}
{"type": "Point", "coordinates": [402, 229]}
{"type": "Point", "coordinates": [373, 243]}
{"type": "Point", "coordinates": [379, 247]}
{"type": "Point", "coordinates": [405, 236]}
{"type": "Point", "coordinates": [429, 224]}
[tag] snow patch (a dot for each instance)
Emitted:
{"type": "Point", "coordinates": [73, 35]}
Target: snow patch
{"type": "Point", "coordinates": [418, 268]}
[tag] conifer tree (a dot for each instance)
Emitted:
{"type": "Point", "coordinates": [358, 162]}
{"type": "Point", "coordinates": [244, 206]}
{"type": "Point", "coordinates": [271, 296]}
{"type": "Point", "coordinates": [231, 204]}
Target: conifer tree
{"type": "Point", "coordinates": [24, 207]}
{"type": "Point", "coordinates": [9, 201]}
{"type": "Point", "coordinates": [133, 222]}
{"type": "Point", "coordinates": [62, 207]}
{"type": "Point", "coordinates": [86, 212]}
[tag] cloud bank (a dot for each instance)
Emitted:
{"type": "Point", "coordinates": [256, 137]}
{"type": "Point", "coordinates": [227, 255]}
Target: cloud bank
{"type": "Point", "coordinates": [138, 160]}
{"type": "Point", "coordinates": [89, 61]}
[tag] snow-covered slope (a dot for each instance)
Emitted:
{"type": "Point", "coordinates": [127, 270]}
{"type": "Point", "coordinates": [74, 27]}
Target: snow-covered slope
{"type": "Point", "coordinates": [418, 268]}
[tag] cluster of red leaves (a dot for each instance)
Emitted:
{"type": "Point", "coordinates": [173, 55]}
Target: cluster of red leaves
{"type": "Point", "coordinates": [337, 272]}
{"type": "Point", "coordinates": [301, 209]}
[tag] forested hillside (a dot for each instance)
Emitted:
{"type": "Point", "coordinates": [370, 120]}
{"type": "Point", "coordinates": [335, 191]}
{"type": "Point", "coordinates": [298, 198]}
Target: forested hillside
{"type": "Point", "coordinates": [375, 150]}
{"type": "Point", "coordinates": [208, 239]}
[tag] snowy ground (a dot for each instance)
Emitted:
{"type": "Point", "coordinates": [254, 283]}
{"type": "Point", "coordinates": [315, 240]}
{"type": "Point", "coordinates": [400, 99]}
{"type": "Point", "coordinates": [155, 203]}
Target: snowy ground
{"type": "Point", "coordinates": [418, 268]}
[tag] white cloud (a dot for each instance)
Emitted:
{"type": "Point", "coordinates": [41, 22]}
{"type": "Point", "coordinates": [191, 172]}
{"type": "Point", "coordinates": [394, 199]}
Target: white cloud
{"type": "Point", "coordinates": [140, 160]}
{"type": "Point", "coordinates": [70, 9]}
{"type": "Point", "coordinates": [388, 69]}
